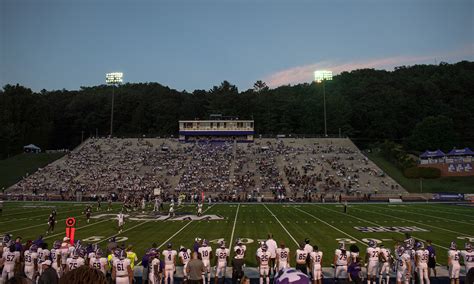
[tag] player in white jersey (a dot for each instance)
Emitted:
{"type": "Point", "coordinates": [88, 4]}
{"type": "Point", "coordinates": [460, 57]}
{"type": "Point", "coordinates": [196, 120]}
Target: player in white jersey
{"type": "Point", "coordinates": [341, 257]}
{"type": "Point", "coordinates": [121, 221]}
{"type": "Point", "coordinates": [122, 272]}
{"type": "Point", "coordinates": [171, 211]}
{"type": "Point", "coordinates": [307, 247]}
{"type": "Point", "coordinates": [65, 251]}
{"type": "Point", "coordinates": [263, 259]}
{"type": "Point", "coordinates": [76, 261]}
{"type": "Point", "coordinates": [403, 265]}
{"type": "Point", "coordinates": [282, 257]}
{"type": "Point", "coordinates": [185, 256]}
{"type": "Point", "coordinates": [241, 247]}
{"type": "Point", "coordinates": [205, 253]}
{"type": "Point", "coordinates": [55, 256]}
{"type": "Point", "coordinates": [316, 257]}
{"type": "Point", "coordinates": [31, 262]}
{"type": "Point", "coordinates": [453, 263]}
{"type": "Point", "coordinates": [411, 252]}
{"type": "Point", "coordinates": [468, 257]}
{"type": "Point", "coordinates": [199, 209]}
{"type": "Point", "coordinates": [99, 262]}
{"type": "Point", "coordinates": [372, 260]}
{"type": "Point", "coordinates": [10, 259]}
{"type": "Point", "coordinates": [154, 276]}
{"type": "Point", "coordinates": [222, 257]}
{"type": "Point", "coordinates": [302, 259]}
{"type": "Point", "coordinates": [169, 256]}
{"type": "Point", "coordinates": [43, 255]}
{"type": "Point", "coordinates": [385, 260]}
{"type": "Point", "coordinates": [143, 205]}
{"type": "Point", "coordinates": [272, 246]}
{"type": "Point", "coordinates": [421, 262]}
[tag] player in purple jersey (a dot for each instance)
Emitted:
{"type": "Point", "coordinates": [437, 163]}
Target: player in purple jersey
{"type": "Point", "coordinates": [431, 258]}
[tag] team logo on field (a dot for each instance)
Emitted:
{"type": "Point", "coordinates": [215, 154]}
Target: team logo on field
{"type": "Point", "coordinates": [151, 217]}
{"type": "Point", "coordinates": [390, 229]}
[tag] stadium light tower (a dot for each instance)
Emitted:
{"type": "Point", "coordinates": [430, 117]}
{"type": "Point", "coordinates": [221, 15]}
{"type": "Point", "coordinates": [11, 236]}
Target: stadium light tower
{"type": "Point", "coordinates": [320, 76]}
{"type": "Point", "coordinates": [114, 78]}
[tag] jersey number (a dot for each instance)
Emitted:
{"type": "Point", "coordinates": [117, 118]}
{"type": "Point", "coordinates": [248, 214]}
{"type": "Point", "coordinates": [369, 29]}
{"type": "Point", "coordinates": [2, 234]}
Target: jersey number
{"type": "Point", "coordinates": [120, 267]}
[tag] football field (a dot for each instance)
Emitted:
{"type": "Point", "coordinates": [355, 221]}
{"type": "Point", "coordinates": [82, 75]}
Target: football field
{"type": "Point", "coordinates": [323, 224]}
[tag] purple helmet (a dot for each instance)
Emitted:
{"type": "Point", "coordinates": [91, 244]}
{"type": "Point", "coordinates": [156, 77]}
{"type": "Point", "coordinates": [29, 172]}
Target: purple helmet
{"type": "Point", "coordinates": [57, 244]}
{"type": "Point", "coordinates": [291, 276]}
{"type": "Point", "coordinates": [34, 248]}
{"type": "Point", "coordinates": [453, 245]}
{"type": "Point", "coordinates": [372, 243]}
{"type": "Point", "coordinates": [98, 253]}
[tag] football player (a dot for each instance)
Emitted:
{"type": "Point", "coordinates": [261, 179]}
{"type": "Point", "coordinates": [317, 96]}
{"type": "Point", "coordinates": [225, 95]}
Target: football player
{"type": "Point", "coordinates": [385, 260]}
{"type": "Point", "coordinates": [453, 263]}
{"type": "Point", "coordinates": [171, 210]}
{"type": "Point", "coordinates": [122, 273]}
{"type": "Point", "coordinates": [170, 263]}
{"type": "Point", "coordinates": [468, 257]}
{"type": "Point", "coordinates": [316, 257]}
{"type": "Point", "coordinates": [222, 257]}
{"type": "Point", "coordinates": [121, 222]}
{"type": "Point", "coordinates": [403, 265]}
{"type": "Point", "coordinates": [421, 262]}
{"type": "Point", "coordinates": [241, 247]}
{"type": "Point", "coordinates": [98, 261]}
{"type": "Point", "coordinates": [301, 259]}
{"type": "Point", "coordinates": [411, 252]}
{"type": "Point", "coordinates": [88, 213]}
{"type": "Point", "coordinates": [372, 259]}
{"type": "Point", "coordinates": [263, 259]}
{"type": "Point", "coordinates": [43, 255]}
{"type": "Point", "coordinates": [77, 259]}
{"type": "Point", "coordinates": [55, 255]}
{"type": "Point", "coordinates": [272, 246]}
{"type": "Point", "coordinates": [51, 223]}
{"type": "Point", "coordinates": [185, 257]}
{"type": "Point", "coordinates": [31, 262]}
{"type": "Point", "coordinates": [307, 247]}
{"type": "Point", "coordinates": [205, 253]}
{"type": "Point", "coordinates": [199, 209]}
{"type": "Point", "coordinates": [282, 257]}
{"type": "Point", "coordinates": [154, 275]}
{"type": "Point", "coordinates": [10, 260]}
{"type": "Point", "coordinates": [143, 204]}
{"type": "Point", "coordinates": [341, 257]}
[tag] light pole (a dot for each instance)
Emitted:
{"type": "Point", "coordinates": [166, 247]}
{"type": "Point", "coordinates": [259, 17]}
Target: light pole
{"type": "Point", "coordinates": [322, 76]}
{"type": "Point", "coordinates": [113, 79]}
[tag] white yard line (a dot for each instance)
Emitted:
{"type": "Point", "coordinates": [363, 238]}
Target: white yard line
{"type": "Point", "coordinates": [36, 216]}
{"type": "Point", "coordinates": [233, 228]}
{"type": "Point", "coordinates": [320, 220]}
{"type": "Point", "coordinates": [431, 216]}
{"type": "Point", "coordinates": [297, 244]}
{"type": "Point", "coordinates": [131, 228]}
{"type": "Point", "coordinates": [182, 228]}
{"type": "Point", "coordinates": [424, 224]}
{"type": "Point", "coordinates": [367, 221]}
{"type": "Point", "coordinates": [64, 234]}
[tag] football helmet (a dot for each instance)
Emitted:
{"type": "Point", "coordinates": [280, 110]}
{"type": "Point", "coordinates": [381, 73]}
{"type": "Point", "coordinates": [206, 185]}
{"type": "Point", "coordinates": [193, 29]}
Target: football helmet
{"type": "Point", "coordinates": [98, 253]}
{"type": "Point", "coordinates": [57, 244]}
{"type": "Point", "coordinates": [264, 247]}
{"type": "Point", "coordinates": [419, 245]}
{"type": "Point", "coordinates": [169, 245]}
{"type": "Point", "coordinates": [468, 246]}
{"type": "Point", "coordinates": [222, 244]}
{"type": "Point", "coordinates": [204, 243]}
{"type": "Point", "coordinates": [453, 245]}
{"type": "Point", "coordinates": [78, 252]}
{"type": "Point", "coordinates": [122, 254]}
{"type": "Point", "coordinates": [342, 246]}
{"type": "Point", "coordinates": [372, 243]}
{"type": "Point", "coordinates": [400, 250]}
{"type": "Point", "coordinates": [182, 248]}
{"type": "Point", "coordinates": [34, 248]}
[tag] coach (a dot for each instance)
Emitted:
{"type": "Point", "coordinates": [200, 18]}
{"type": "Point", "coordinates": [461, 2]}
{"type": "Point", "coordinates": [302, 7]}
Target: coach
{"type": "Point", "coordinates": [195, 269]}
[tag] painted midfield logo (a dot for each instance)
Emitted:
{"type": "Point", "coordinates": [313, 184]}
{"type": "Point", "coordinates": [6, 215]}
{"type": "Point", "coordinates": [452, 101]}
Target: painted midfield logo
{"type": "Point", "coordinates": [390, 229]}
{"type": "Point", "coordinates": [144, 217]}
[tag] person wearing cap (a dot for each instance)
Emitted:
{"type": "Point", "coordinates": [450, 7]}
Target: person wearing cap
{"type": "Point", "coordinates": [195, 270]}
{"type": "Point", "coordinates": [49, 274]}
{"type": "Point", "coordinates": [132, 256]}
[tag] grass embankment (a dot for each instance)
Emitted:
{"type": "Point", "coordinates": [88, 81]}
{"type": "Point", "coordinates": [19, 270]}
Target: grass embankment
{"type": "Point", "coordinates": [16, 167]}
{"type": "Point", "coordinates": [444, 184]}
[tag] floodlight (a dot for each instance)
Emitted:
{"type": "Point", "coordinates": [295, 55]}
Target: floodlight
{"type": "Point", "coordinates": [321, 75]}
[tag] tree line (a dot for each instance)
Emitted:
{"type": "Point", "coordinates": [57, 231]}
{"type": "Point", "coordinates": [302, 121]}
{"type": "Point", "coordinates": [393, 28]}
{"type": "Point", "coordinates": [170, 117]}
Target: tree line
{"type": "Point", "coordinates": [421, 107]}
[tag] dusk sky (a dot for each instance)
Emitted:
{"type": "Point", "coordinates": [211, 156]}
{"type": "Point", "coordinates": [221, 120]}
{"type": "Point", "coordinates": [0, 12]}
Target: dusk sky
{"type": "Point", "coordinates": [192, 44]}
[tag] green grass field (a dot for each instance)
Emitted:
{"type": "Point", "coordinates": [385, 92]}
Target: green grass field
{"type": "Point", "coordinates": [323, 224]}
{"type": "Point", "coordinates": [14, 168]}
{"type": "Point", "coordinates": [445, 184]}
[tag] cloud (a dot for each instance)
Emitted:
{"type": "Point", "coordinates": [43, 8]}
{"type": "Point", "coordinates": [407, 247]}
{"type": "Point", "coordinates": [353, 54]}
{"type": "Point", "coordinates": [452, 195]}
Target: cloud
{"type": "Point", "coordinates": [304, 73]}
